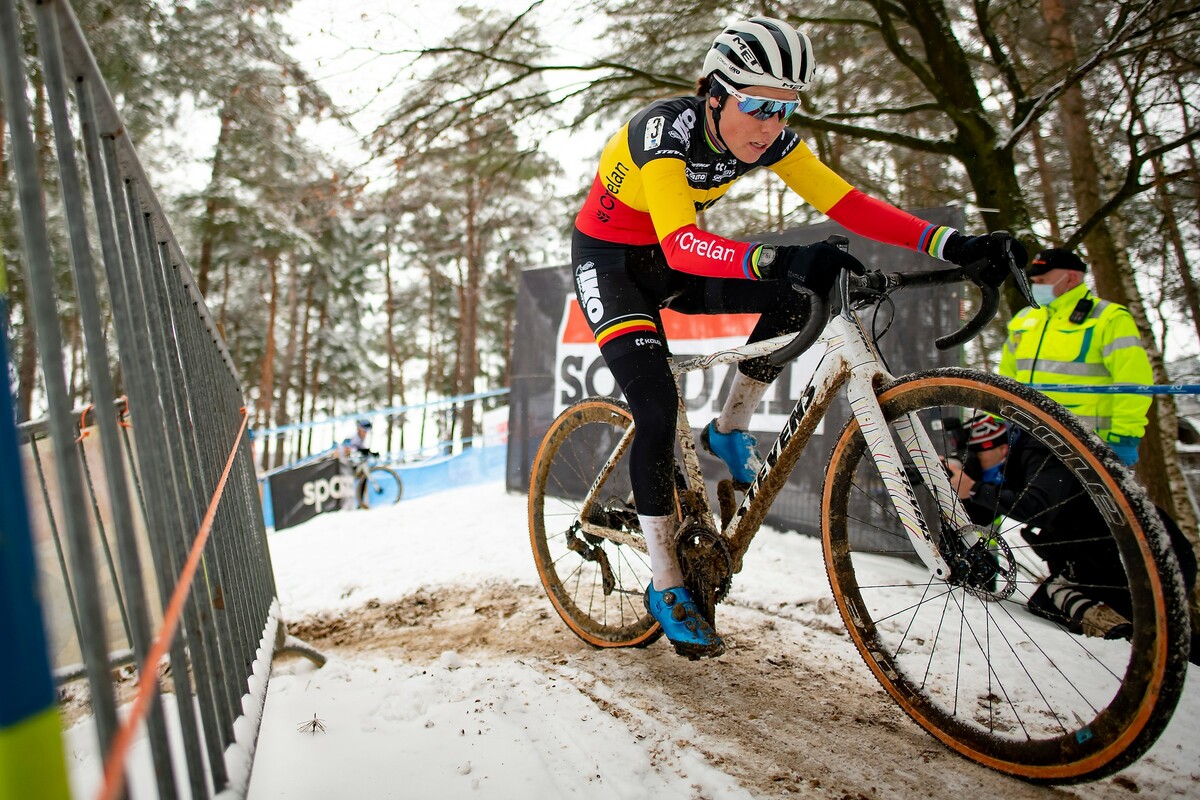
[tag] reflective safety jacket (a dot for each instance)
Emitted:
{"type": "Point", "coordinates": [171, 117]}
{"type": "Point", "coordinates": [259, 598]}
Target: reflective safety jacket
{"type": "Point", "coordinates": [1045, 346]}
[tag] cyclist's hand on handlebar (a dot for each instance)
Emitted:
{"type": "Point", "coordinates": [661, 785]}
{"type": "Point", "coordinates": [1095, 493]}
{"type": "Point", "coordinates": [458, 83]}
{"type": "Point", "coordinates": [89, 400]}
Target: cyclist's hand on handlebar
{"type": "Point", "coordinates": [814, 267]}
{"type": "Point", "coordinates": [988, 254]}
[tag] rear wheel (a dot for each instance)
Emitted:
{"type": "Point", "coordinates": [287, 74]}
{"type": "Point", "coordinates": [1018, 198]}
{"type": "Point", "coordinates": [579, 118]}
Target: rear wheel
{"type": "Point", "coordinates": [965, 657]}
{"type": "Point", "coordinates": [379, 487]}
{"type": "Point", "coordinates": [592, 562]}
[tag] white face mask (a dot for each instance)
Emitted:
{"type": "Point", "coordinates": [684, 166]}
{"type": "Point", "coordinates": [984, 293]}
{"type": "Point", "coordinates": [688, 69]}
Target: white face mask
{"type": "Point", "coordinates": [1044, 293]}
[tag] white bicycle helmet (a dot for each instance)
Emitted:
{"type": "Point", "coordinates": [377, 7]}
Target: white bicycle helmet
{"type": "Point", "coordinates": [761, 51]}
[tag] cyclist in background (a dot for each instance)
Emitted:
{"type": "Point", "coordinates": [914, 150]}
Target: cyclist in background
{"type": "Point", "coordinates": [358, 442]}
{"type": "Point", "coordinates": [351, 453]}
{"type": "Point", "coordinates": [636, 249]}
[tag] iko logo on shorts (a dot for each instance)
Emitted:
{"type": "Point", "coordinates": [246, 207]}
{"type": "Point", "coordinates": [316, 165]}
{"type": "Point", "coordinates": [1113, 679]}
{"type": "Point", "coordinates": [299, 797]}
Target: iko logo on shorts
{"type": "Point", "coordinates": [589, 291]}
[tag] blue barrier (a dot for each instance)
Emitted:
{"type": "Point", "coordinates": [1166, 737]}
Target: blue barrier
{"type": "Point", "coordinates": [470, 467]}
{"type": "Point", "coordinates": [1120, 388]}
{"type": "Point", "coordinates": [31, 752]}
{"type": "Point", "coordinates": [378, 412]}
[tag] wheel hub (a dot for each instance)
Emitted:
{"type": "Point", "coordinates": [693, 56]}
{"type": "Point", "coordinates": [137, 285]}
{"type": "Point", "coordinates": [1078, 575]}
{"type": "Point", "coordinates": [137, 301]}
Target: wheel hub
{"type": "Point", "coordinates": [982, 563]}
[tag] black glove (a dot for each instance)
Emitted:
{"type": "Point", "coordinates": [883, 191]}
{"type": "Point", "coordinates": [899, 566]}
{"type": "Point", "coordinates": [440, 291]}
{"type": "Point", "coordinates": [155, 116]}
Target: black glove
{"type": "Point", "coordinates": [992, 249]}
{"type": "Point", "coordinates": [813, 266]}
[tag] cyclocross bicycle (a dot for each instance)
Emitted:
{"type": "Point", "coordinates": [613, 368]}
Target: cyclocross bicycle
{"type": "Point", "coordinates": [934, 603]}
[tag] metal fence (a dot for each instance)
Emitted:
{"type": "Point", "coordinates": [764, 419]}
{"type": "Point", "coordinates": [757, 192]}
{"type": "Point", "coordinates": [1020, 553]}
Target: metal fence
{"type": "Point", "coordinates": [148, 501]}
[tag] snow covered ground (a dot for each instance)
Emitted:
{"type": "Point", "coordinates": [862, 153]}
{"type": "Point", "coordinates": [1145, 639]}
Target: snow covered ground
{"type": "Point", "coordinates": [450, 676]}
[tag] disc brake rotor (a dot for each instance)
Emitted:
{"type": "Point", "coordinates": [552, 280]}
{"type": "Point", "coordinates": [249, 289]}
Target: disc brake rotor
{"type": "Point", "coordinates": [985, 569]}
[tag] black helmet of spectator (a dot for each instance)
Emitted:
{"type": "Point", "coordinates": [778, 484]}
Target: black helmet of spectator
{"type": "Point", "coordinates": [364, 423]}
{"type": "Point", "coordinates": [986, 432]}
{"type": "Point", "coordinates": [1054, 258]}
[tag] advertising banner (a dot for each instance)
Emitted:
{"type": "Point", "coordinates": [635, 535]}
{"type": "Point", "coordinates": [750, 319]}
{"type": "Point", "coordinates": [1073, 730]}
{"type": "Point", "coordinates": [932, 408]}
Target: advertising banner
{"type": "Point", "coordinates": [581, 371]}
{"type": "Point", "coordinates": [299, 494]}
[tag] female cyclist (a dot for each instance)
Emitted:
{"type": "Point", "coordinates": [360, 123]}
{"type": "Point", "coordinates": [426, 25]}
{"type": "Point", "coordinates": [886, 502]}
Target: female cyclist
{"type": "Point", "coordinates": [636, 249]}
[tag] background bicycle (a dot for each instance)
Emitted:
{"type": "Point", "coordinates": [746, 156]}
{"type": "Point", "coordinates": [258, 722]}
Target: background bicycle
{"type": "Point", "coordinates": [934, 602]}
{"type": "Point", "coordinates": [374, 484]}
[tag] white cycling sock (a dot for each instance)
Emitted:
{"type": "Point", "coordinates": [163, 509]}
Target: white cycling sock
{"type": "Point", "coordinates": [660, 541]}
{"type": "Point", "coordinates": [744, 396]}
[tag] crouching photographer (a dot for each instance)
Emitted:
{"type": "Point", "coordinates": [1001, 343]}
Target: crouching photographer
{"type": "Point", "coordinates": [1009, 474]}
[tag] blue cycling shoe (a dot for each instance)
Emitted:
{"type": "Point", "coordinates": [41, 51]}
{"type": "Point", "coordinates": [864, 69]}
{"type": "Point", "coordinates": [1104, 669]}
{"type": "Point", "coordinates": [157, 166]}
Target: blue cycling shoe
{"type": "Point", "coordinates": [682, 623]}
{"type": "Point", "coordinates": [738, 449]}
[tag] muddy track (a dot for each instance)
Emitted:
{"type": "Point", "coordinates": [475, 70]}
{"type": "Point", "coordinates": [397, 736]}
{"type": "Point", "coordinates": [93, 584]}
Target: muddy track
{"type": "Point", "coordinates": [781, 711]}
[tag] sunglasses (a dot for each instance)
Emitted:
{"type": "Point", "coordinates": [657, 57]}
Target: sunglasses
{"type": "Point", "coordinates": [760, 107]}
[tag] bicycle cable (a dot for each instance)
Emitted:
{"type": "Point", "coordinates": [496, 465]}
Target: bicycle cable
{"type": "Point", "coordinates": [876, 298]}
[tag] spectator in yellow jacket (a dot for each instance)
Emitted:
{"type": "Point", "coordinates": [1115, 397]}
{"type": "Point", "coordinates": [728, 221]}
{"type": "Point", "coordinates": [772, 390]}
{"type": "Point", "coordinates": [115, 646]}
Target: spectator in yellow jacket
{"type": "Point", "coordinates": [1079, 339]}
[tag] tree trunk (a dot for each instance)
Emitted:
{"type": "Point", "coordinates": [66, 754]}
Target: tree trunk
{"type": "Point", "coordinates": [27, 373]}
{"type": "Point", "coordinates": [225, 297]}
{"type": "Point", "coordinates": [1175, 238]}
{"type": "Point", "coordinates": [1190, 291]}
{"type": "Point", "coordinates": [1046, 176]}
{"type": "Point", "coordinates": [431, 360]}
{"type": "Point", "coordinates": [512, 274]}
{"type": "Point", "coordinates": [27, 365]}
{"type": "Point", "coordinates": [75, 384]}
{"type": "Point", "coordinates": [266, 370]}
{"type": "Point", "coordinates": [389, 336]}
{"type": "Point", "coordinates": [468, 363]}
{"type": "Point", "coordinates": [287, 368]}
{"type": "Point", "coordinates": [302, 367]}
{"type": "Point", "coordinates": [315, 382]}
{"type": "Point", "coordinates": [1159, 466]}
{"type": "Point", "coordinates": [211, 205]}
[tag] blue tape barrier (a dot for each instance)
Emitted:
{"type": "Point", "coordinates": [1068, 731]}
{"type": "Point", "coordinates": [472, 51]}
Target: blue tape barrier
{"type": "Point", "coordinates": [1120, 388]}
{"type": "Point", "coordinates": [378, 412]}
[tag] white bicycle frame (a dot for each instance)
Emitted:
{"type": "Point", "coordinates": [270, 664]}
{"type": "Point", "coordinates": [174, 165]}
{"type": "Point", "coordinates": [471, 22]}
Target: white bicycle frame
{"type": "Point", "coordinates": [849, 359]}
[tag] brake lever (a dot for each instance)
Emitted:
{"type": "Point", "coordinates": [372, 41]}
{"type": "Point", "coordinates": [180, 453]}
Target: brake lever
{"type": "Point", "coordinates": [1022, 280]}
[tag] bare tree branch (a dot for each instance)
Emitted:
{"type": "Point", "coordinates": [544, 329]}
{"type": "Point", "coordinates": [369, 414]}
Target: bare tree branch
{"type": "Point", "coordinates": [1132, 185]}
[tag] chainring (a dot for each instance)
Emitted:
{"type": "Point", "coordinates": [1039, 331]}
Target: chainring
{"type": "Point", "coordinates": [707, 566]}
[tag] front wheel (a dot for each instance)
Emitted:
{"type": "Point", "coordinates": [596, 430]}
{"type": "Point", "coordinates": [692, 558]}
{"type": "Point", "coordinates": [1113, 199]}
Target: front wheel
{"type": "Point", "coordinates": [381, 486]}
{"type": "Point", "coordinates": [1005, 680]}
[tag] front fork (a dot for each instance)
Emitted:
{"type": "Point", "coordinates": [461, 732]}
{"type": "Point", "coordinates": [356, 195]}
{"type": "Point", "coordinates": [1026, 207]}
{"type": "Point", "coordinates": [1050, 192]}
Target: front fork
{"type": "Point", "coordinates": [886, 455]}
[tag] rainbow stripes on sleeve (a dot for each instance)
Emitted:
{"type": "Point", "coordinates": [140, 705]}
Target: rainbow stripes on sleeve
{"type": "Point", "coordinates": [933, 240]}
